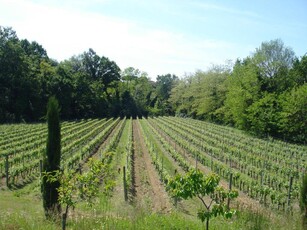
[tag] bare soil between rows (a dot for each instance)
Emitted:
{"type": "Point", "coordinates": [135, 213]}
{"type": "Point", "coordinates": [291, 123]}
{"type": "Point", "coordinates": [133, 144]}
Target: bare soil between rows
{"type": "Point", "coordinates": [149, 191]}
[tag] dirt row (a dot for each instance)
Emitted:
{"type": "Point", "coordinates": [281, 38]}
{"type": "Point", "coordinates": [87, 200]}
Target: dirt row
{"type": "Point", "coordinates": [149, 190]}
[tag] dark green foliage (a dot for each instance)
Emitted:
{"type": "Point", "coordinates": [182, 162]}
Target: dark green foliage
{"type": "Point", "coordinates": [51, 160]}
{"type": "Point", "coordinates": [243, 89]}
{"type": "Point", "coordinates": [136, 89]}
{"type": "Point", "coordinates": [298, 73]}
{"type": "Point", "coordinates": [263, 115]}
{"type": "Point", "coordinates": [293, 115]}
{"type": "Point", "coordinates": [15, 82]}
{"type": "Point", "coordinates": [128, 106]}
{"type": "Point", "coordinates": [165, 84]}
{"type": "Point", "coordinates": [262, 94]}
{"type": "Point", "coordinates": [89, 85]}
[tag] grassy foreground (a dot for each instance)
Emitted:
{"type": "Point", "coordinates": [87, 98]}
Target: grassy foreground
{"type": "Point", "coordinates": [23, 210]}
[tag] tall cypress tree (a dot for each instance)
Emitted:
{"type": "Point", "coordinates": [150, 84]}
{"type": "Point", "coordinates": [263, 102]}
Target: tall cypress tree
{"type": "Point", "coordinates": [51, 159]}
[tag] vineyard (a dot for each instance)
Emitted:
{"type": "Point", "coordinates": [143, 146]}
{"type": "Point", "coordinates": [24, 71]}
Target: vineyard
{"type": "Point", "coordinates": [268, 173]}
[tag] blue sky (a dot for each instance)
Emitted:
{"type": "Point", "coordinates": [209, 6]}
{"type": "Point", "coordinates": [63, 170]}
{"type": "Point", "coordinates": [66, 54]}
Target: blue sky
{"type": "Point", "coordinates": [161, 36]}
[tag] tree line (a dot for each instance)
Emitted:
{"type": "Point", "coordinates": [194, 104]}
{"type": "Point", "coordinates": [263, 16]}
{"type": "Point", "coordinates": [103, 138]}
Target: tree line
{"type": "Point", "coordinates": [87, 85]}
{"type": "Point", "coordinates": [264, 93]}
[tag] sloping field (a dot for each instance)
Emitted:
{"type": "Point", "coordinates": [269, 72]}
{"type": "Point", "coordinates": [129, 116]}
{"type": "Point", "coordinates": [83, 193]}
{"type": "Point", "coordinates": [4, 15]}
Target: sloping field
{"type": "Point", "coordinates": [266, 172]}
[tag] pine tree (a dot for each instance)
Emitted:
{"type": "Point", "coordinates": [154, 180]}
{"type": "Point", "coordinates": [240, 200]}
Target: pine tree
{"type": "Point", "coordinates": [51, 160]}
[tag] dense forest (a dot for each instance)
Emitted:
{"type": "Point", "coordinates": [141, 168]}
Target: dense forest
{"type": "Point", "coordinates": [265, 93]}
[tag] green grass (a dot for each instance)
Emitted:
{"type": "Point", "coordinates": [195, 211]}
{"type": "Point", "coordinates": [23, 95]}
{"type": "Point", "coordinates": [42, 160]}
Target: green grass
{"type": "Point", "coordinates": [23, 210]}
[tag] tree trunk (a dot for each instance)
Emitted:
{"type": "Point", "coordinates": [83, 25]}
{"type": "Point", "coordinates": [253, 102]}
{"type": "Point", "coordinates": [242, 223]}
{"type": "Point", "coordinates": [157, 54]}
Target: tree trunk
{"type": "Point", "coordinates": [64, 218]}
{"type": "Point", "coordinates": [207, 224]}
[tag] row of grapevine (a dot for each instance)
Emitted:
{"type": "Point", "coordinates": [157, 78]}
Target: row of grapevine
{"type": "Point", "coordinates": [113, 142]}
{"type": "Point", "coordinates": [164, 166]}
{"type": "Point", "coordinates": [79, 141]}
{"type": "Point", "coordinates": [269, 171]}
{"type": "Point", "coordinates": [276, 151]}
{"type": "Point", "coordinates": [24, 161]}
{"type": "Point", "coordinates": [94, 139]}
{"type": "Point", "coordinates": [250, 163]}
{"type": "Point", "coordinates": [129, 151]}
{"type": "Point", "coordinates": [198, 146]}
{"type": "Point", "coordinates": [182, 162]}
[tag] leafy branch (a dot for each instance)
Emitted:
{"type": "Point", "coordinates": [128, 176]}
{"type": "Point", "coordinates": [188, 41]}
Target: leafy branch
{"type": "Point", "coordinates": [207, 190]}
{"type": "Point", "coordinates": [76, 187]}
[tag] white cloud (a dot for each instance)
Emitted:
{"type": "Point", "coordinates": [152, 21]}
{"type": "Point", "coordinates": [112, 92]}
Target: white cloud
{"type": "Point", "coordinates": [65, 32]}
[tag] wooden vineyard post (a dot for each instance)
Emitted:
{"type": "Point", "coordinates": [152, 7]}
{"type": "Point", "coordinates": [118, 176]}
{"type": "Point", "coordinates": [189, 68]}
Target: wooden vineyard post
{"type": "Point", "coordinates": [7, 170]}
{"type": "Point", "coordinates": [289, 192]}
{"type": "Point", "coordinates": [230, 186]}
{"type": "Point", "coordinates": [127, 160]}
{"type": "Point", "coordinates": [211, 162]}
{"type": "Point", "coordinates": [162, 169]}
{"type": "Point", "coordinates": [125, 184]}
{"type": "Point", "coordinates": [196, 159]}
{"type": "Point", "coordinates": [23, 160]}
{"type": "Point", "coordinates": [40, 167]}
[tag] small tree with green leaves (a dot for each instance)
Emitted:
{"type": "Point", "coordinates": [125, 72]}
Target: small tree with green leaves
{"type": "Point", "coordinates": [212, 196]}
{"type": "Point", "coordinates": [76, 187]}
{"type": "Point", "coordinates": [51, 159]}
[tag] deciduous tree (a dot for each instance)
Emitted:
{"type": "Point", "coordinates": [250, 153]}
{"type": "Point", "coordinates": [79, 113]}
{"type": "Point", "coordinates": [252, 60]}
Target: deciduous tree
{"type": "Point", "coordinates": [206, 189]}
